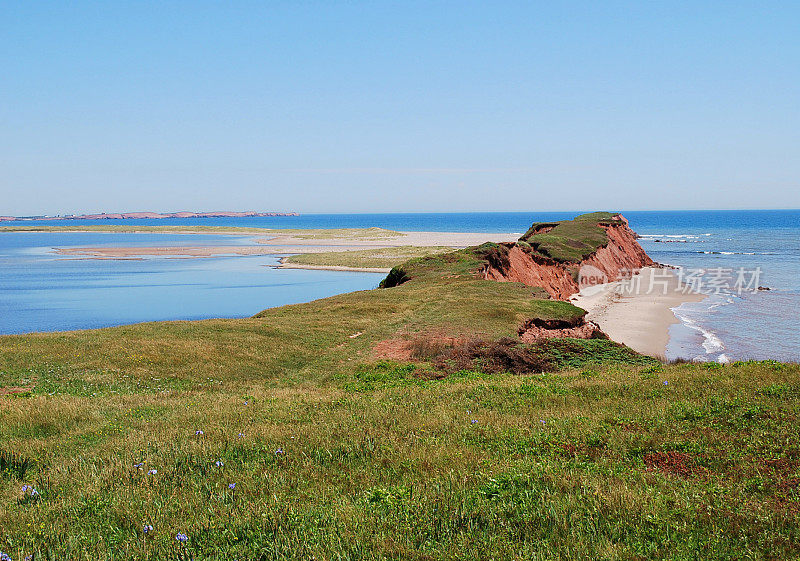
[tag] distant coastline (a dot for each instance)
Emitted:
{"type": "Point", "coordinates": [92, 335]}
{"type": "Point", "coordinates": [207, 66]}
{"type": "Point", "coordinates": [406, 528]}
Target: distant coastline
{"type": "Point", "coordinates": [147, 215]}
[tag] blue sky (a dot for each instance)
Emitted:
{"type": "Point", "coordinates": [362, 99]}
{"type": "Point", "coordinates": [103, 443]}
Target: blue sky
{"type": "Point", "coordinates": [401, 106]}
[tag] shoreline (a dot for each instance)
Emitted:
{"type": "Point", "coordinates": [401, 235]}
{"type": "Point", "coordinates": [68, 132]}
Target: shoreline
{"type": "Point", "coordinates": [298, 243]}
{"type": "Point", "coordinates": [641, 318]}
{"type": "Point", "coordinates": [282, 264]}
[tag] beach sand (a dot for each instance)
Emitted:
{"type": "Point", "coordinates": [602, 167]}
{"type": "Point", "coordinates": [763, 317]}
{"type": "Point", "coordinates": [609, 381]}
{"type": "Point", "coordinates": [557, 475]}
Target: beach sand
{"type": "Point", "coordinates": [293, 245]}
{"type": "Point", "coordinates": [638, 318]}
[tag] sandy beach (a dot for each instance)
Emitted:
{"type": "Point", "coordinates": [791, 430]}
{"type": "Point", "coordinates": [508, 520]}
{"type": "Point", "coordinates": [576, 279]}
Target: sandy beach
{"type": "Point", "coordinates": [293, 244]}
{"type": "Point", "coordinates": [637, 313]}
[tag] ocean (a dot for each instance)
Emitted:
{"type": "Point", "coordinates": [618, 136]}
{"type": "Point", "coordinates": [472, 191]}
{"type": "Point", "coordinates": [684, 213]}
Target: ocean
{"type": "Point", "coordinates": [41, 291]}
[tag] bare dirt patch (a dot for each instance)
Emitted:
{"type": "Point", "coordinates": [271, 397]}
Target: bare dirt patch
{"type": "Point", "coordinates": [395, 349]}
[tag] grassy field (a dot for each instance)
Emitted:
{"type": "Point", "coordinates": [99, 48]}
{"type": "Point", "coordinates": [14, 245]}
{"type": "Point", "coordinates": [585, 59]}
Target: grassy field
{"type": "Point", "coordinates": [284, 436]}
{"type": "Point", "coordinates": [384, 258]}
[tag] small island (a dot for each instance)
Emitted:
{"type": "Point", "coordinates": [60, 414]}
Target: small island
{"type": "Point", "coordinates": [146, 215]}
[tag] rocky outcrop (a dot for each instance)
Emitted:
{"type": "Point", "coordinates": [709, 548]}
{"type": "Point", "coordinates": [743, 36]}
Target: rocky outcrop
{"type": "Point", "coordinates": [620, 256]}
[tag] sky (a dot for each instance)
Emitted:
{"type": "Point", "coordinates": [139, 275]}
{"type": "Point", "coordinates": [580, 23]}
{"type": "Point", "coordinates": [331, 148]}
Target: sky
{"type": "Point", "coordinates": [351, 106]}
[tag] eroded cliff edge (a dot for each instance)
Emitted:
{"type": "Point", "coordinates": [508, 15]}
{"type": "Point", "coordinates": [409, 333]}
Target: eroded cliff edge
{"type": "Point", "coordinates": [563, 257]}
{"type": "Point", "coordinates": [557, 259]}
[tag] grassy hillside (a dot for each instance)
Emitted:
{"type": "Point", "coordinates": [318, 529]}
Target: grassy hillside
{"type": "Point", "coordinates": [569, 241]}
{"type": "Point", "coordinates": [284, 436]}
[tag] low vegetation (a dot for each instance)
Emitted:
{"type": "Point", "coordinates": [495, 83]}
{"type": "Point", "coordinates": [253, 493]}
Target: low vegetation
{"type": "Point", "coordinates": [290, 436]}
{"type": "Point", "coordinates": [383, 258]}
{"type": "Point", "coordinates": [451, 266]}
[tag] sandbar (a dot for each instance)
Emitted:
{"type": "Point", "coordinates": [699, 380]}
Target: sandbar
{"type": "Point", "coordinates": [296, 243]}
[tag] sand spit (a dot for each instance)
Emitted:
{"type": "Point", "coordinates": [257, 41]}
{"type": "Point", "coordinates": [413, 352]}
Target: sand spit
{"type": "Point", "coordinates": [295, 244]}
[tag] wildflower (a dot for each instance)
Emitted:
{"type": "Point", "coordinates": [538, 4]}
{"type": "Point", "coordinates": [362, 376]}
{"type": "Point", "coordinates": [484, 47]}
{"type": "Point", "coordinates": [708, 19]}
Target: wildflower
{"type": "Point", "coordinates": [245, 403]}
{"type": "Point", "coordinates": [152, 472]}
{"type": "Point", "coordinates": [542, 420]}
{"type": "Point", "coordinates": [474, 421]}
{"type": "Point", "coordinates": [666, 383]}
{"type": "Point", "coordinates": [241, 435]}
{"type": "Point", "coordinates": [147, 528]}
{"type": "Point", "coordinates": [198, 433]}
{"type": "Point", "coordinates": [279, 451]}
{"type": "Point", "coordinates": [4, 557]}
{"type": "Point", "coordinates": [218, 463]}
{"type": "Point", "coordinates": [139, 465]}
{"type": "Point", "coordinates": [25, 488]}
{"type": "Point", "coordinates": [231, 486]}
{"type": "Point", "coordinates": [34, 492]}
{"type": "Point", "coordinates": [181, 537]}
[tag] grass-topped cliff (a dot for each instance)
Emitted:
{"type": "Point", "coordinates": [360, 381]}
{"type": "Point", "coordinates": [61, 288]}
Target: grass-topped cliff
{"type": "Point", "coordinates": [286, 436]}
{"type": "Point", "coordinates": [570, 241]}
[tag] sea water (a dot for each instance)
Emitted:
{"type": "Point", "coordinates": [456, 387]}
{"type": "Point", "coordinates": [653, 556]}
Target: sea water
{"type": "Point", "coordinates": [42, 291]}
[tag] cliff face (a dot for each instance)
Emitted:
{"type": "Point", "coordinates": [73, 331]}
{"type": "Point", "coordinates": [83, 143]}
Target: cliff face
{"type": "Point", "coordinates": [615, 255]}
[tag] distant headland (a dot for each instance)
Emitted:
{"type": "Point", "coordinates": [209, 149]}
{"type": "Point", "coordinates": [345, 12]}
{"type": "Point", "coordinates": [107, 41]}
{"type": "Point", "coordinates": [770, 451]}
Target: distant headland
{"type": "Point", "coordinates": [150, 215]}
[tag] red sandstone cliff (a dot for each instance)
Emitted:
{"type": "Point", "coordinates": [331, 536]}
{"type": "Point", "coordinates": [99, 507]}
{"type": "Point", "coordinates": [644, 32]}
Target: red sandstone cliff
{"type": "Point", "coordinates": [621, 255]}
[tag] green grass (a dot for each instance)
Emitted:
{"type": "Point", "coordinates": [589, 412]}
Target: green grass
{"type": "Point", "coordinates": [569, 241]}
{"type": "Point", "coordinates": [338, 454]}
{"type": "Point", "coordinates": [447, 267]}
{"type": "Point", "coordinates": [384, 258]}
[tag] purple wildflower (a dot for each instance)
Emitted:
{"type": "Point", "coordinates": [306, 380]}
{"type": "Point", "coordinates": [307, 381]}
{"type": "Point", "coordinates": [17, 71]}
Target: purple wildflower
{"type": "Point", "coordinates": [279, 451]}
{"type": "Point", "coordinates": [542, 421]}
{"type": "Point", "coordinates": [666, 383]}
{"type": "Point", "coordinates": [139, 465]}
{"type": "Point", "coordinates": [147, 528]}
{"type": "Point", "coordinates": [218, 463]}
{"type": "Point", "coordinates": [231, 486]}
{"type": "Point", "coordinates": [4, 557]}
{"type": "Point", "coordinates": [34, 492]}
{"type": "Point", "coordinates": [181, 537]}
{"type": "Point", "coordinates": [152, 472]}
{"type": "Point", "coordinates": [241, 435]}
{"type": "Point", "coordinates": [25, 488]}
{"type": "Point", "coordinates": [198, 433]}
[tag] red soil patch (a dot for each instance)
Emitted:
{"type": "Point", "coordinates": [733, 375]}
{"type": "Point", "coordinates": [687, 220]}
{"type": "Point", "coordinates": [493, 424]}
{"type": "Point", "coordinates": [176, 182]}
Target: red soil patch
{"type": "Point", "coordinates": [530, 333]}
